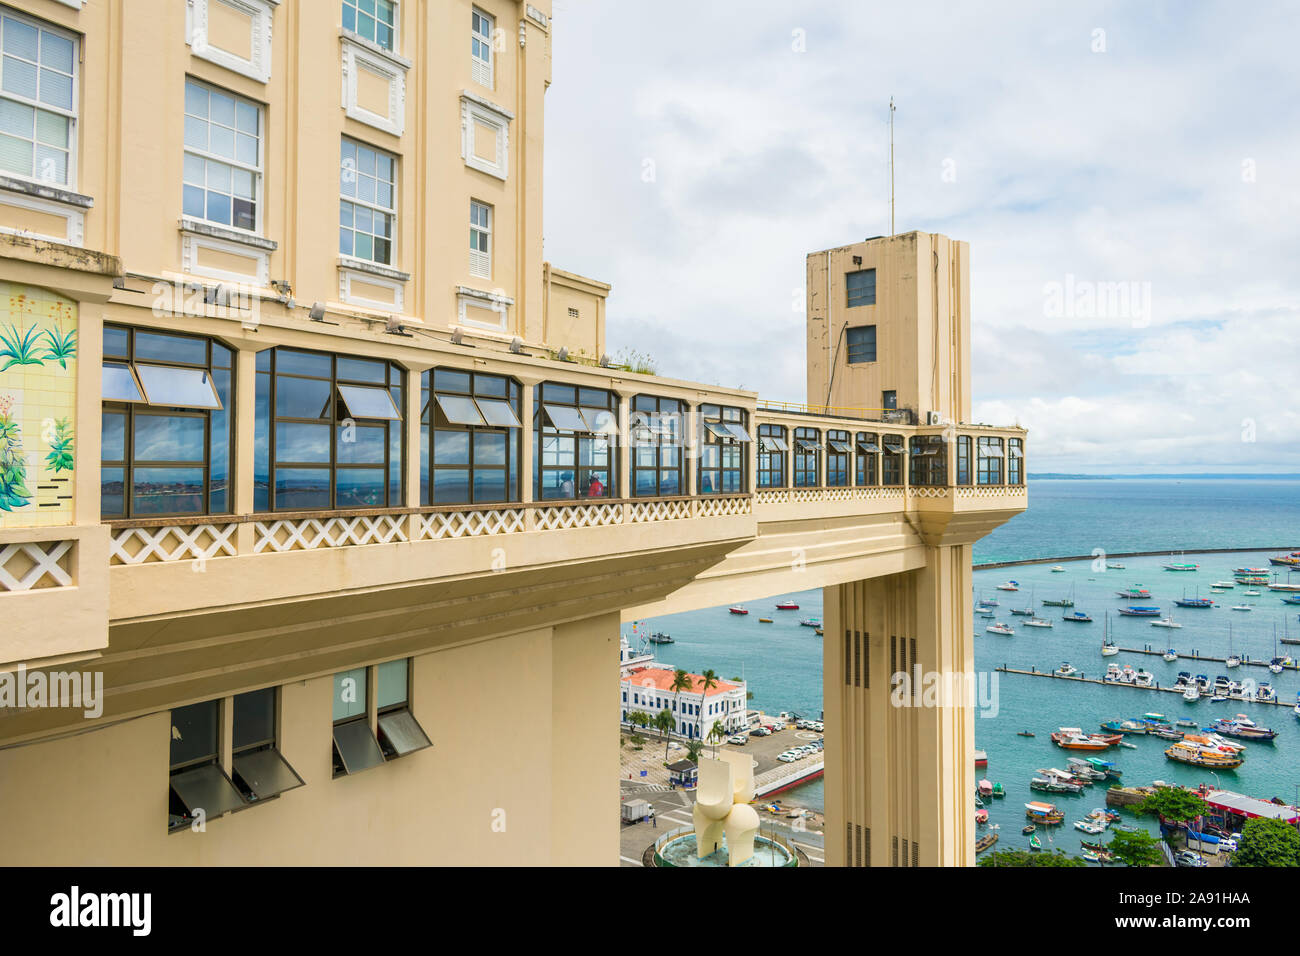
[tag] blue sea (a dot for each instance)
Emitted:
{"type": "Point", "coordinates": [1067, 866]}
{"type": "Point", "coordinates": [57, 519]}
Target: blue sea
{"type": "Point", "coordinates": [782, 661]}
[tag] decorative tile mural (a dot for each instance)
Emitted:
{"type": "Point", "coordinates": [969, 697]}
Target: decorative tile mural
{"type": "Point", "coordinates": [38, 406]}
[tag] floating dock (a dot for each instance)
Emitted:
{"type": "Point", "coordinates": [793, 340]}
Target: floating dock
{"type": "Point", "coordinates": [1110, 683]}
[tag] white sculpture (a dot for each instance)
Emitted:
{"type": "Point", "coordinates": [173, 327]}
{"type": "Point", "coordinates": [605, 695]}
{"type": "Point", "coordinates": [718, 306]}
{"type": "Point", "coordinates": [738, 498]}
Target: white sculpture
{"type": "Point", "coordinates": [724, 789]}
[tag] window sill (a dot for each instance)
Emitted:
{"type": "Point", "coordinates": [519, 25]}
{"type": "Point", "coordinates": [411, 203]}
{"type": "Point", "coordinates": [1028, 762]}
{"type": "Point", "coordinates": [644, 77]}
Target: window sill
{"type": "Point", "coordinates": [213, 231]}
{"type": "Point", "coordinates": [45, 191]}
{"type": "Point", "coordinates": [373, 268]}
{"type": "Point", "coordinates": [370, 46]}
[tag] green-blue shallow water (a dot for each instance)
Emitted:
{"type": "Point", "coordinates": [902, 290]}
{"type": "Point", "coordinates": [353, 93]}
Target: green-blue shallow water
{"type": "Point", "coordinates": [782, 661]}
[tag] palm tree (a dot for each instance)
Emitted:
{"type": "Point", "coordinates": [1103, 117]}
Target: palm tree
{"type": "Point", "coordinates": [716, 733]}
{"type": "Point", "coordinates": [708, 681]}
{"type": "Point", "coordinates": [681, 681]}
{"type": "Point", "coordinates": [664, 722]}
{"type": "Point", "coordinates": [693, 748]}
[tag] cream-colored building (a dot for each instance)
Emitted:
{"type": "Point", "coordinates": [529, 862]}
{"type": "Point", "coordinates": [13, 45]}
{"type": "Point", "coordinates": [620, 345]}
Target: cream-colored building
{"type": "Point", "coordinates": [302, 477]}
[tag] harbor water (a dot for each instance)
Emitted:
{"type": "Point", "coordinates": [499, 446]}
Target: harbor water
{"type": "Point", "coordinates": [782, 661]}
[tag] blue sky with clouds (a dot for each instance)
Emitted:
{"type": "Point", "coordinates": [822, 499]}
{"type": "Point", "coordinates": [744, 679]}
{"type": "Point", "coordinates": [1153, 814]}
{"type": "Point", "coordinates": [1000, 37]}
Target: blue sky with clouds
{"type": "Point", "coordinates": [696, 152]}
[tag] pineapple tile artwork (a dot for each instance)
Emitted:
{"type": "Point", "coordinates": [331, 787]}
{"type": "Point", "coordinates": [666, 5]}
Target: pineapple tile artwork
{"type": "Point", "coordinates": [38, 395]}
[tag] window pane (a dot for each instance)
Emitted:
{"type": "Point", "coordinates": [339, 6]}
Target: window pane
{"type": "Point", "coordinates": [392, 683]}
{"type": "Point", "coordinates": [361, 445]}
{"type": "Point", "coordinates": [451, 448]}
{"type": "Point", "coordinates": [302, 489]}
{"type": "Point", "coordinates": [254, 718]}
{"type": "Point", "coordinates": [193, 732]}
{"type": "Point", "coordinates": [112, 497]}
{"type": "Point", "coordinates": [498, 413]}
{"type": "Point", "coordinates": [303, 363]}
{"type": "Point", "coordinates": [565, 418]}
{"type": "Point", "coordinates": [118, 384]}
{"type": "Point", "coordinates": [350, 693]}
{"type": "Point", "coordinates": [450, 486]}
{"type": "Point", "coordinates": [460, 410]}
{"type": "Point", "coordinates": [167, 491]}
{"type": "Point", "coordinates": [298, 442]}
{"type": "Point", "coordinates": [489, 484]}
{"type": "Point", "coordinates": [302, 397]}
{"type": "Point", "coordinates": [362, 370]}
{"type": "Point", "coordinates": [359, 488]}
{"type": "Point", "coordinates": [178, 387]}
{"type": "Point", "coordinates": [169, 438]}
{"type": "Point", "coordinates": [363, 402]}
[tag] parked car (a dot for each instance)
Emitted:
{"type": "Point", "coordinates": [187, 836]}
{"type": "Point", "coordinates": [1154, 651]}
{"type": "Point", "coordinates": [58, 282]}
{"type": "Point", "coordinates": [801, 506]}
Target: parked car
{"type": "Point", "coordinates": [738, 739]}
{"type": "Point", "coordinates": [787, 758]}
{"type": "Point", "coordinates": [760, 732]}
{"type": "Point", "coordinates": [1189, 858]}
{"type": "Point", "coordinates": [1229, 844]}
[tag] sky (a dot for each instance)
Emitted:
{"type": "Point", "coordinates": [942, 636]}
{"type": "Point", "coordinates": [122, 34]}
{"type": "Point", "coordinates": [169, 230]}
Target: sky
{"type": "Point", "coordinates": [1127, 175]}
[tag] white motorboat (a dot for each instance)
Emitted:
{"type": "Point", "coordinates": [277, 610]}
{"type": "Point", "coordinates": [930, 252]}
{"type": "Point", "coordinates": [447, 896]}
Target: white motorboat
{"type": "Point", "coordinates": [1056, 569]}
{"type": "Point", "coordinates": [1192, 694]}
{"type": "Point", "coordinates": [1036, 622]}
{"type": "Point", "coordinates": [999, 629]}
{"type": "Point", "coordinates": [1112, 675]}
{"type": "Point", "coordinates": [1144, 678]}
{"type": "Point", "coordinates": [1170, 655]}
{"type": "Point", "coordinates": [1165, 622]}
{"type": "Point", "coordinates": [1243, 607]}
{"type": "Point", "coordinates": [1066, 670]}
{"type": "Point", "coordinates": [1232, 661]}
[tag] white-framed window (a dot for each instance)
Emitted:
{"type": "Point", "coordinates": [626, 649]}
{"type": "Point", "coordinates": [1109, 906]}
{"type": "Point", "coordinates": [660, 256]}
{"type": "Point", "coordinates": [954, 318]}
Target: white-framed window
{"type": "Point", "coordinates": [373, 20]}
{"type": "Point", "coordinates": [480, 239]}
{"type": "Point", "coordinates": [223, 158]}
{"type": "Point", "coordinates": [38, 100]}
{"type": "Point", "coordinates": [368, 203]}
{"type": "Point", "coordinates": [480, 48]}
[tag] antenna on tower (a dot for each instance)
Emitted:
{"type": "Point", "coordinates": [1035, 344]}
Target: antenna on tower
{"type": "Point", "coordinates": [891, 165]}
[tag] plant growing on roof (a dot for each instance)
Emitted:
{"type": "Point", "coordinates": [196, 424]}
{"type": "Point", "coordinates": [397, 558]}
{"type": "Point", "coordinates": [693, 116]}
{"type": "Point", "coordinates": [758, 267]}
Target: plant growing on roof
{"type": "Point", "coordinates": [13, 465]}
{"type": "Point", "coordinates": [63, 345]}
{"type": "Point", "coordinates": [19, 347]}
{"type": "Point", "coordinates": [60, 456]}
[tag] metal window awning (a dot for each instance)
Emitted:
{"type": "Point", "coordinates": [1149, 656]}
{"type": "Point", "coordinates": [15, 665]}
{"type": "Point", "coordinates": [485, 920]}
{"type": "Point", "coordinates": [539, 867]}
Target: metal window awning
{"type": "Point", "coordinates": [459, 410]}
{"type": "Point", "coordinates": [206, 788]}
{"type": "Point", "coordinates": [119, 384]}
{"type": "Point", "coordinates": [738, 431]}
{"type": "Point", "coordinates": [841, 446]}
{"type": "Point", "coordinates": [772, 444]}
{"type": "Point", "coordinates": [175, 387]}
{"type": "Point", "coordinates": [923, 450]}
{"type": "Point", "coordinates": [498, 413]}
{"type": "Point", "coordinates": [868, 448]}
{"type": "Point", "coordinates": [601, 421]}
{"type": "Point", "coordinates": [402, 733]}
{"type": "Point", "coordinates": [266, 773]}
{"type": "Point", "coordinates": [894, 447]}
{"type": "Point", "coordinates": [991, 451]}
{"type": "Point", "coordinates": [807, 444]}
{"type": "Point", "coordinates": [367, 402]}
{"type": "Point", "coordinates": [719, 429]}
{"type": "Point", "coordinates": [1015, 452]}
{"type": "Point", "coordinates": [566, 418]}
{"type": "Point", "coordinates": [357, 746]}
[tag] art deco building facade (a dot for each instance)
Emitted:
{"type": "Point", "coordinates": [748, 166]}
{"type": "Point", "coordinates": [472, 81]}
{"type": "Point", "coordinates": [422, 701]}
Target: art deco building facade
{"type": "Point", "coordinates": [304, 477]}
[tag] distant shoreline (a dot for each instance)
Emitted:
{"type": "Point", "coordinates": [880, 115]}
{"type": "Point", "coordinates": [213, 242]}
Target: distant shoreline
{"type": "Point", "coordinates": [1127, 554]}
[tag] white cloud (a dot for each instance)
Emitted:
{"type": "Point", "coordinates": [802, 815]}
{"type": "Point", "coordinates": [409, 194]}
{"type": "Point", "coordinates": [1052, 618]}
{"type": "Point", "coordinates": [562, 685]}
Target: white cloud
{"type": "Point", "coordinates": [1122, 166]}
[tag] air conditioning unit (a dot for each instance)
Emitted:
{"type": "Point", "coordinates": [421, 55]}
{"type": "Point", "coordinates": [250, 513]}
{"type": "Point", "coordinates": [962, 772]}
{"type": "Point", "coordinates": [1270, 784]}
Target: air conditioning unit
{"type": "Point", "coordinates": [933, 418]}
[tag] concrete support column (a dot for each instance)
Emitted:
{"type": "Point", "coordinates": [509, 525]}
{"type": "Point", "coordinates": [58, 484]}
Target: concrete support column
{"type": "Point", "coordinates": [243, 475]}
{"type": "Point", "coordinates": [585, 715]}
{"type": "Point", "coordinates": [624, 449]}
{"type": "Point", "coordinates": [900, 774]}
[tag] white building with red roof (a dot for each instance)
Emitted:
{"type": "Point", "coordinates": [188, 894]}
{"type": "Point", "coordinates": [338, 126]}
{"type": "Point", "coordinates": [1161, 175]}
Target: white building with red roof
{"type": "Point", "coordinates": [650, 689]}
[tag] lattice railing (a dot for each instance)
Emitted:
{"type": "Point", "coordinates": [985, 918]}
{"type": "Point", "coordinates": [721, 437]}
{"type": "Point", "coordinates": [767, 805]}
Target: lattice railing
{"type": "Point", "coordinates": [640, 511]}
{"type": "Point", "coordinates": [715, 507]}
{"type": "Point", "coordinates": [309, 534]}
{"type": "Point", "coordinates": [468, 524]}
{"type": "Point", "coordinates": [171, 543]}
{"type": "Point", "coordinates": [990, 491]}
{"type": "Point", "coordinates": [35, 565]}
{"type": "Point", "coordinates": [772, 496]}
{"type": "Point", "coordinates": [925, 491]}
{"type": "Point", "coordinates": [578, 516]}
